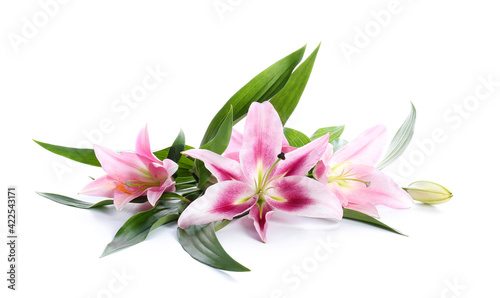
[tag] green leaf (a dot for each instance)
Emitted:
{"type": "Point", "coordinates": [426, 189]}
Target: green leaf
{"type": "Point", "coordinates": [74, 202]}
{"type": "Point", "coordinates": [201, 243]}
{"type": "Point", "coordinates": [163, 153]}
{"type": "Point", "coordinates": [177, 147]}
{"type": "Point", "coordinates": [87, 205]}
{"type": "Point", "coordinates": [218, 145]}
{"type": "Point", "coordinates": [219, 225]}
{"type": "Point", "coordinates": [221, 139]}
{"type": "Point", "coordinates": [295, 138]}
{"type": "Point", "coordinates": [335, 132]}
{"type": "Point", "coordinates": [338, 144]}
{"type": "Point", "coordinates": [287, 99]}
{"type": "Point", "coordinates": [137, 227]}
{"type": "Point", "coordinates": [401, 140]}
{"type": "Point", "coordinates": [262, 87]}
{"type": "Point", "coordinates": [86, 156]}
{"type": "Point", "coordinates": [358, 216]}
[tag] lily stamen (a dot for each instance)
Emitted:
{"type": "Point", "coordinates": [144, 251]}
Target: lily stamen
{"type": "Point", "coordinates": [264, 182]}
{"type": "Point", "coordinates": [345, 176]}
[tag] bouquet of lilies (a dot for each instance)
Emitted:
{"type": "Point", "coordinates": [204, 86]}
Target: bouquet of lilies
{"type": "Point", "coordinates": [265, 168]}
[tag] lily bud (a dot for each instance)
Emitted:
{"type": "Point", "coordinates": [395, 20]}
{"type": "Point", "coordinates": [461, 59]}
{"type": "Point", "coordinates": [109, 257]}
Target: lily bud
{"type": "Point", "coordinates": [428, 192]}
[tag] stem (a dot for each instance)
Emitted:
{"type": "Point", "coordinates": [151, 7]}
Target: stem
{"type": "Point", "coordinates": [186, 200]}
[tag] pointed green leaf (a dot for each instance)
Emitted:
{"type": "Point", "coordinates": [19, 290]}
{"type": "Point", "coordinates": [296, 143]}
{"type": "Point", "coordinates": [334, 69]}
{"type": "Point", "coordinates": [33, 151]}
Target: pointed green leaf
{"type": "Point", "coordinates": [74, 202]}
{"type": "Point", "coordinates": [218, 145]}
{"type": "Point", "coordinates": [201, 243]}
{"type": "Point", "coordinates": [295, 138]}
{"type": "Point", "coordinates": [86, 156]}
{"type": "Point", "coordinates": [335, 132]}
{"type": "Point", "coordinates": [358, 216]}
{"type": "Point", "coordinates": [177, 147]}
{"type": "Point", "coordinates": [287, 99]}
{"type": "Point", "coordinates": [338, 144]}
{"type": "Point", "coordinates": [87, 205]}
{"type": "Point", "coordinates": [221, 139]}
{"type": "Point", "coordinates": [401, 140]}
{"type": "Point", "coordinates": [137, 227]}
{"type": "Point", "coordinates": [262, 87]}
{"type": "Point", "coordinates": [163, 153]}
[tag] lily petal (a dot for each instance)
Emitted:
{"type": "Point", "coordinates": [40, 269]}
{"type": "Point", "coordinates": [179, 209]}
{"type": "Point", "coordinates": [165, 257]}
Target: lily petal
{"type": "Point", "coordinates": [223, 200]}
{"type": "Point", "coordinates": [285, 146]}
{"type": "Point", "coordinates": [221, 167]}
{"type": "Point", "coordinates": [321, 171]}
{"type": "Point", "coordinates": [101, 187]}
{"type": "Point", "coordinates": [122, 166]}
{"type": "Point", "coordinates": [170, 166]}
{"type": "Point", "coordinates": [234, 146]}
{"type": "Point", "coordinates": [299, 195]}
{"type": "Point", "coordinates": [368, 209]}
{"type": "Point", "coordinates": [262, 140]}
{"type": "Point", "coordinates": [364, 149]}
{"type": "Point", "coordinates": [158, 172]}
{"type": "Point", "coordinates": [162, 171]}
{"type": "Point", "coordinates": [327, 156]}
{"type": "Point", "coordinates": [301, 160]}
{"type": "Point", "coordinates": [154, 193]}
{"type": "Point", "coordinates": [260, 216]}
{"type": "Point", "coordinates": [382, 190]}
{"type": "Point", "coordinates": [143, 147]}
{"type": "Point", "coordinates": [124, 194]}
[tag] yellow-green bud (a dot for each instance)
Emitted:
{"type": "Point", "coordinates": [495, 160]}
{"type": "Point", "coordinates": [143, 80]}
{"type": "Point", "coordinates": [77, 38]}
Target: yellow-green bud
{"type": "Point", "coordinates": [428, 192]}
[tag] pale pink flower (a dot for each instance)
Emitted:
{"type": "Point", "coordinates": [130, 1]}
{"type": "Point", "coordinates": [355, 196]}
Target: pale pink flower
{"type": "Point", "coordinates": [130, 175]}
{"type": "Point", "coordinates": [351, 176]}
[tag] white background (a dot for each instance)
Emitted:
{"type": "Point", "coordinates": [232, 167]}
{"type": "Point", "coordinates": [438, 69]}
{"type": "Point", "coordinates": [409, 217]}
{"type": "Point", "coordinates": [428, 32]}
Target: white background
{"type": "Point", "coordinates": [68, 76]}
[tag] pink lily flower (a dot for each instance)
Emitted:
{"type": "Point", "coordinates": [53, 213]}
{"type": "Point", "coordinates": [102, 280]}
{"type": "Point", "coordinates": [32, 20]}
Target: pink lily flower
{"type": "Point", "coordinates": [262, 179]}
{"type": "Point", "coordinates": [351, 176]}
{"type": "Point", "coordinates": [130, 175]}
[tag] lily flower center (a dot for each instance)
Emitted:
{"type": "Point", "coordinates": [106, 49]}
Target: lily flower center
{"type": "Point", "coordinates": [345, 176]}
{"type": "Point", "coordinates": [132, 186]}
{"type": "Point", "coordinates": [262, 185]}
